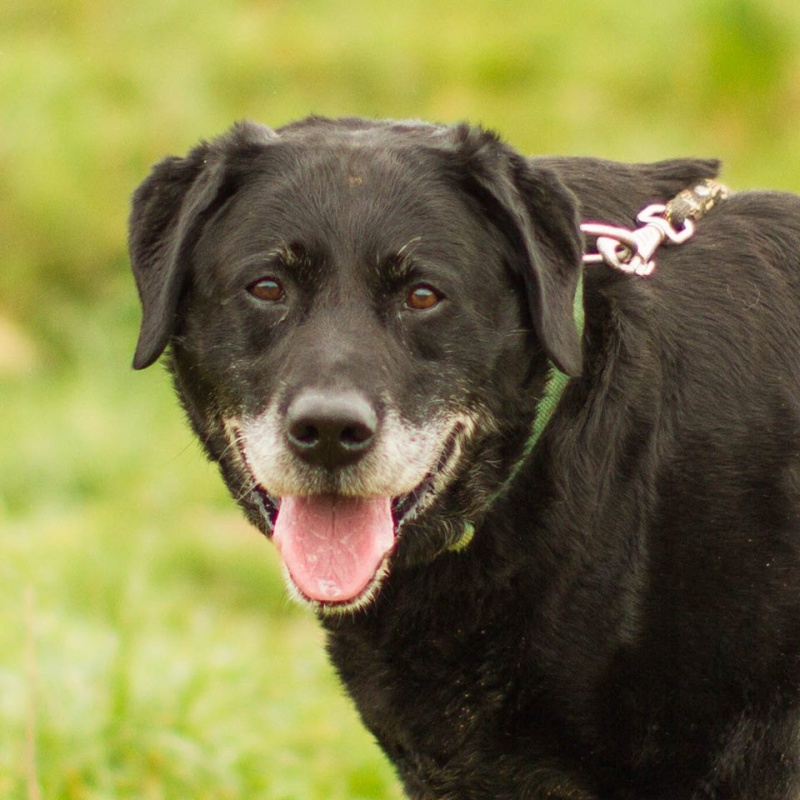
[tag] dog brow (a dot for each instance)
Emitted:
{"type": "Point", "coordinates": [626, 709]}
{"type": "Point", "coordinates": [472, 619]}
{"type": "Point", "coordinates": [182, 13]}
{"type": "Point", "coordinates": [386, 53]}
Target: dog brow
{"type": "Point", "coordinates": [397, 264]}
{"type": "Point", "coordinates": [408, 245]}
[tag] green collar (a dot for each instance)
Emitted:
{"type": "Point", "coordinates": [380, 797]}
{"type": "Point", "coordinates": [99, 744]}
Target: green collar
{"type": "Point", "coordinates": [556, 380]}
{"type": "Point", "coordinates": [554, 388]}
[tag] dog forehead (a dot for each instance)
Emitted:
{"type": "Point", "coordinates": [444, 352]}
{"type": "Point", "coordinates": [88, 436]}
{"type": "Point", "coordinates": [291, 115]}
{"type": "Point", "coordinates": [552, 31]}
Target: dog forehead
{"type": "Point", "coordinates": [343, 168]}
{"type": "Point", "coordinates": [355, 194]}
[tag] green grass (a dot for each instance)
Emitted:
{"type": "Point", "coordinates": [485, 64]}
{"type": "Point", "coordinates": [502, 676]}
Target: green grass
{"type": "Point", "coordinates": [147, 649]}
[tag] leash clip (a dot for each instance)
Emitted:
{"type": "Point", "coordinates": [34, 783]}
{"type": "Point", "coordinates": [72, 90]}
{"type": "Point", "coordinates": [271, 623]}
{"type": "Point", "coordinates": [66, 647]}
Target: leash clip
{"type": "Point", "coordinates": [633, 251]}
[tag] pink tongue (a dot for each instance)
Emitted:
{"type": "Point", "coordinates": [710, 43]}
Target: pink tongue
{"type": "Point", "coordinates": [333, 546]}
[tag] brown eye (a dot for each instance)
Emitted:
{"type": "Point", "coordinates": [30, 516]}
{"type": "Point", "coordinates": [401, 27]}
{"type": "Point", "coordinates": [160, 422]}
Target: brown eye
{"type": "Point", "coordinates": [270, 290]}
{"type": "Point", "coordinates": [423, 297]}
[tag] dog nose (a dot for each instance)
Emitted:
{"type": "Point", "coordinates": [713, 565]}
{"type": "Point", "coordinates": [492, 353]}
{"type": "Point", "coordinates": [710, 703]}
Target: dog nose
{"type": "Point", "coordinates": [330, 429]}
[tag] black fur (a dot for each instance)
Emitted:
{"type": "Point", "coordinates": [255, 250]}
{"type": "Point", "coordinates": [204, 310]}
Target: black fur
{"type": "Point", "coordinates": [625, 624]}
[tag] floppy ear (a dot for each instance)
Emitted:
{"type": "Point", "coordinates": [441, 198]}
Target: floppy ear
{"type": "Point", "coordinates": [540, 216]}
{"type": "Point", "coordinates": [167, 215]}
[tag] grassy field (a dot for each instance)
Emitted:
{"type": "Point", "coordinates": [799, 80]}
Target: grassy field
{"type": "Point", "coordinates": [147, 649]}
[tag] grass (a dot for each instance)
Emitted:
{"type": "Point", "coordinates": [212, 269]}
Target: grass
{"type": "Point", "coordinates": [147, 649]}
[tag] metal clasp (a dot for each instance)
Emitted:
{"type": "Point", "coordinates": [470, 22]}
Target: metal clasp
{"type": "Point", "coordinates": [632, 251]}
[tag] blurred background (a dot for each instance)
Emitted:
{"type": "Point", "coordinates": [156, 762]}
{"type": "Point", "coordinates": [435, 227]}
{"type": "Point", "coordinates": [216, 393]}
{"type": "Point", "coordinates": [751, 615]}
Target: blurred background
{"type": "Point", "coordinates": [147, 649]}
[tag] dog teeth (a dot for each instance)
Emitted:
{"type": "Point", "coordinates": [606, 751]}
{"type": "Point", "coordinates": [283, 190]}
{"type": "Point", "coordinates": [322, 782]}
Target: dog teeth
{"type": "Point", "coordinates": [268, 505]}
{"type": "Point", "coordinates": [402, 507]}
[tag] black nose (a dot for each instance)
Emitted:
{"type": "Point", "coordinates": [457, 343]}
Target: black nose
{"type": "Point", "coordinates": [330, 429]}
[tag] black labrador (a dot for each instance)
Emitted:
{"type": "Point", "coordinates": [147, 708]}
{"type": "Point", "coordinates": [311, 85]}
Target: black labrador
{"type": "Point", "coordinates": [588, 592]}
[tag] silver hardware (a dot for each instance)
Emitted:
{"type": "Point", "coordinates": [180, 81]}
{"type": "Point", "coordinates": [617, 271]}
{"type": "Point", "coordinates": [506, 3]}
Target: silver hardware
{"type": "Point", "coordinates": [633, 251]}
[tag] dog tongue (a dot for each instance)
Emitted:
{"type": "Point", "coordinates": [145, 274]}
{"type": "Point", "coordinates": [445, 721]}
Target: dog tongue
{"type": "Point", "coordinates": [333, 546]}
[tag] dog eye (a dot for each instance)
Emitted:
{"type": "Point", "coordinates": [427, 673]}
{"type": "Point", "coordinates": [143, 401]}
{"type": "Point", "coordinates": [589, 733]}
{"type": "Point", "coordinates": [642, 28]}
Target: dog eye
{"type": "Point", "coordinates": [422, 297]}
{"type": "Point", "coordinates": [270, 290]}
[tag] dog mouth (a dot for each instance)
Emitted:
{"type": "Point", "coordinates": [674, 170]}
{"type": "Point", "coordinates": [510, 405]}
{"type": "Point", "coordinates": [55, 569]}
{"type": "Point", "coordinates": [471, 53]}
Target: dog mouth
{"type": "Point", "coordinates": [336, 549]}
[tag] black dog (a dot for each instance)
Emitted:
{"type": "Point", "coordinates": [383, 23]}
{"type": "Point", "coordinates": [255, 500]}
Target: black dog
{"type": "Point", "coordinates": [363, 318]}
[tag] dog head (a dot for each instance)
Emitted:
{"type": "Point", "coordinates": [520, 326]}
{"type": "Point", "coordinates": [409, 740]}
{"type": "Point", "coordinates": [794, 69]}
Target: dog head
{"type": "Point", "coordinates": [360, 317]}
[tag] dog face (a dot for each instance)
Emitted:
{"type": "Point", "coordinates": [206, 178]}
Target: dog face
{"type": "Point", "coordinates": [338, 296]}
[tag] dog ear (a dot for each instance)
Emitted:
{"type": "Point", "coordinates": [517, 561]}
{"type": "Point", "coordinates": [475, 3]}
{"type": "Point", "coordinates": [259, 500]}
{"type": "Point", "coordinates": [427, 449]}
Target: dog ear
{"type": "Point", "coordinates": [167, 215]}
{"type": "Point", "coordinates": [540, 216]}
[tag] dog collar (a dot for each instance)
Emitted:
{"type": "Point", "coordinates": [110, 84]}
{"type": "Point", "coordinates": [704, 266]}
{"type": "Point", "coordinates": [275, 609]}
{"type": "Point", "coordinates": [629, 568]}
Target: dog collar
{"type": "Point", "coordinates": [554, 388]}
{"type": "Point", "coordinates": [557, 380]}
